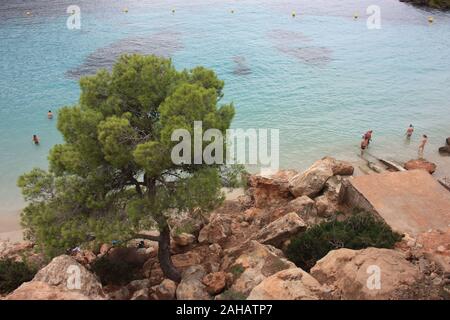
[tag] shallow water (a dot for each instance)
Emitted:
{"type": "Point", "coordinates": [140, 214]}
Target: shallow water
{"type": "Point", "coordinates": [322, 78]}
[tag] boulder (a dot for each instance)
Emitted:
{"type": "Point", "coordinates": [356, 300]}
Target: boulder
{"type": "Point", "coordinates": [183, 239]}
{"type": "Point", "coordinates": [271, 190]}
{"type": "Point", "coordinates": [339, 167]}
{"type": "Point", "coordinates": [326, 207]}
{"type": "Point", "coordinates": [217, 230]}
{"type": "Point", "coordinates": [281, 230]}
{"type": "Point", "coordinates": [85, 257]}
{"type": "Point", "coordinates": [420, 164]}
{"type": "Point", "coordinates": [368, 274]}
{"type": "Point", "coordinates": [290, 284]}
{"type": "Point", "coordinates": [166, 290]}
{"type": "Point", "coordinates": [186, 260]}
{"type": "Point", "coordinates": [215, 282]}
{"type": "Point", "coordinates": [251, 263]}
{"type": "Point", "coordinates": [191, 286]}
{"type": "Point", "coordinates": [435, 245]}
{"type": "Point", "coordinates": [305, 207]}
{"type": "Point", "coordinates": [63, 272]}
{"type": "Point", "coordinates": [311, 182]}
{"type": "Point", "coordinates": [12, 250]}
{"type": "Point", "coordinates": [37, 290]}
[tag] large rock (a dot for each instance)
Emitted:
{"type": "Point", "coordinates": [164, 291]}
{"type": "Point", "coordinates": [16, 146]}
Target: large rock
{"type": "Point", "coordinates": [215, 282]}
{"type": "Point", "coordinates": [305, 207]}
{"type": "Point", "coordinates": [166, 290]}
{"type": "Point", "coordinates": [435, 245]}
{"type": "Point", "coordinates": [183, 239]}
{"type": "Point", "coordinates": [64, 272]}
{"type": "Point", "coordinates": [312, 181]}
{"type": "Point", "coordinates": [326, 206]}
{"type": "Point", "coordinates": [290, 284]}
{"type": "Point", "coordinates": [37, 290]}
{"type": "Point", "coordinates": [420, 164]}
{"type": "Point", "coordinates": [271, 190]}
{"type": "Point", "coordinates": [191, 286]}
{"type": "Point", "coordinates": [251, 263]}
{"type": "Point", "coordinates": [217, 230]}
{"type": "Point", "coordinates": [281, 230]}
{"type": "Point", "coordinates": [353, 274]}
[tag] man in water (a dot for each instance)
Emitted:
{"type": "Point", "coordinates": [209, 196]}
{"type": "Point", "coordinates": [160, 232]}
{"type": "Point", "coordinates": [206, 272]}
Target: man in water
{"type": "Point", "coordinates": [422, 145]}
{"type": "Point", "coordinates": [368, 136]}
{"type": "Point", "coordinates": [35, 139]}
{"type": "Point", "coordinates": [364, 143]}
{"type": "Point", "coordinates": [409, 131]}
{"type": "Point", "coordinates": [50, 114]}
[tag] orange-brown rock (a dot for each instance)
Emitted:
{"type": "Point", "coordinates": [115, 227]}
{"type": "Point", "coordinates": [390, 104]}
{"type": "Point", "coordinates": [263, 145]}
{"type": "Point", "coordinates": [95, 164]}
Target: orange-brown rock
{"type": "Point", "coordinates": [420, 164]}
{"type": "Point", "coordinates": [289, 284]}
{"type": "Point", "coordinates": [368, 274]}
{"type": "Point", "coordinates": [37, 290]}
{"type": "Point", "coordinates": [215, 282]}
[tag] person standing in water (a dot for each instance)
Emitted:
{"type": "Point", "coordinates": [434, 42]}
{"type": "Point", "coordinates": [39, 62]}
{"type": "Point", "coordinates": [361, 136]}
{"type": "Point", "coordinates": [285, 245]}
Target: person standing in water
{"type": "Point", "coordinates": [368, 136]}
{"type": "Point", "coordinates": [364, 143]}
{"type": "Point", "coordinates": [422, 145]}
{"type": "Point", "coordinates": [409, 131]}
{"type": "Point", "coordinates": [35, 139]}
{"type": "Point", "coordinates": [50, 114]}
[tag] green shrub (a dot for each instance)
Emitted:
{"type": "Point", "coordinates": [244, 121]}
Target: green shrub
{"type": "Point", "coordinates": [231, 294]}
{"type": "Point", "coordinates": [237, 270]}
{"type": "Point", "coordinates": [13, 274]}
{"type": "Point", "coordinates": [362, 230]}
{"type": "Point", "coordinates": [114, 271]}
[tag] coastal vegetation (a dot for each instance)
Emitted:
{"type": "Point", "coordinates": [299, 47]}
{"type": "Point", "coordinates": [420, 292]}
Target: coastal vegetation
{"type": "Point", "coordinates": [13, 274]}
{"type": "Point", "coordinates": [359, 231]}
{"type": "Point", "coordinates": [113, 175]}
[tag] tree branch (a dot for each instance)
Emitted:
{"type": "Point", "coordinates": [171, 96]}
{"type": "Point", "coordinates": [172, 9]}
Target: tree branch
{"type": "Point", "coordinates": [146, 236]}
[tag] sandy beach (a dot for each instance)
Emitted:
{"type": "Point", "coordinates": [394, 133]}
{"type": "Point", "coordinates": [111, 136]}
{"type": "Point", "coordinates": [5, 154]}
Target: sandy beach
{"type": "Point", "coordinates": [10, 226]}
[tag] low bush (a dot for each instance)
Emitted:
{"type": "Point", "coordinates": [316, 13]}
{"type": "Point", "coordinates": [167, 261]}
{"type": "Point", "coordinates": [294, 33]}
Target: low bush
{"type": "Point", "coordinates": [361, 230]}
{"type": "Point", "coordinates": [114, 271]}
{"type": "Point", "coordinates": [13, 274]}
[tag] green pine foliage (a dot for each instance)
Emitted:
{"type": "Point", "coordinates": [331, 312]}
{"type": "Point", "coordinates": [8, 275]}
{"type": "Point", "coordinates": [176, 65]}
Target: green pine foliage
{"type": "Point", "coordinates": [113, 174]}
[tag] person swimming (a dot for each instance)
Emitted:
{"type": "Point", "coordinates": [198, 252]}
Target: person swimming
{"type": "Point", "coordinates": [50, 114]}
{"type": "Point", "coordinates": [409, 131]}
{"type": "Point", "coordinates": [35, 139]}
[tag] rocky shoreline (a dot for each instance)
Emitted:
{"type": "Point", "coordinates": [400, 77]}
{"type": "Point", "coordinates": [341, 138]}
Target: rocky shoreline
{"type": "Point", "coordinates": [238, 252]}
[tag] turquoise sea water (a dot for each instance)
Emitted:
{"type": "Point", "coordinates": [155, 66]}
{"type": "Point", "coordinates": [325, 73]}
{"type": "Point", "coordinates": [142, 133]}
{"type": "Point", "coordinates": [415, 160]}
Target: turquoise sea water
{"type": "Point", "coordinates": [322, 78]}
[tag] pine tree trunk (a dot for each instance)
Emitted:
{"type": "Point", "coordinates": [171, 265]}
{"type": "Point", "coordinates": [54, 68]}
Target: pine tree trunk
{"type": "Point", "coordinates": [165, 261]}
